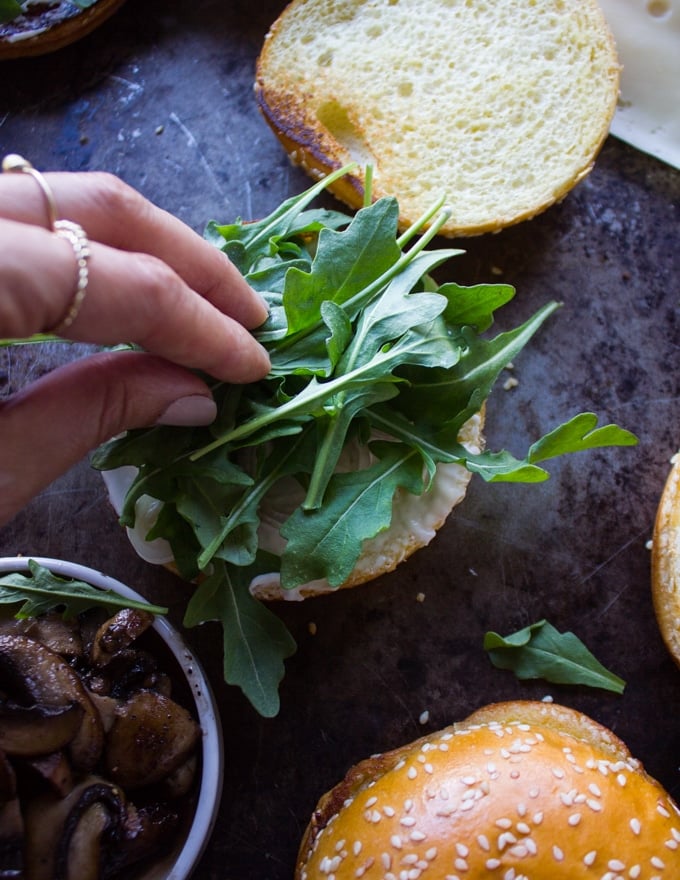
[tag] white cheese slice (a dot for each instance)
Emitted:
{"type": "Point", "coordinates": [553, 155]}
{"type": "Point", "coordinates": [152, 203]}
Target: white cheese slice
{"type": "Point", "coordinates": [647, 34]}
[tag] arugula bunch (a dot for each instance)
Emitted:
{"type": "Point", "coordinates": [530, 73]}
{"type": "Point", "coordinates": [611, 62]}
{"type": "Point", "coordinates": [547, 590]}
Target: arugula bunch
{"type": "Point", "coordinates": [362, 340]}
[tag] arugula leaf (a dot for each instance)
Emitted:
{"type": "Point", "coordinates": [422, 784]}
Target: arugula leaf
{"type": "Point", "coordinates": [42, 591]}
{"type": "Point", "coordinates": [363, 341]}
{"type": "Point", "coordinates": [255, 640]}
{"type": "Point", "coordinates": [541, 651]}
{"type": "Point", "coordinates": [9, 9]}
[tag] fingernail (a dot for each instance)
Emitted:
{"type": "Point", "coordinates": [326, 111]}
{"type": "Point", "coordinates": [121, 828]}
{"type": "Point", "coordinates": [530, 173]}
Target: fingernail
{"type": "Point", "coordinates": [193, 410]}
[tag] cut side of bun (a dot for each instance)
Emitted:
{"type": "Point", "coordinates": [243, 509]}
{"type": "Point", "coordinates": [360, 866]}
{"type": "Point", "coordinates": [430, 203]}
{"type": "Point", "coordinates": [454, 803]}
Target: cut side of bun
{"type": "Point", "coordinates": [498, 107]}
{"type": "Point", "coordinates": [48, 26]}
{"type": "Point", "coordinates": [666, 561]}
{"type": "Point", "coordinates": [517, 791]}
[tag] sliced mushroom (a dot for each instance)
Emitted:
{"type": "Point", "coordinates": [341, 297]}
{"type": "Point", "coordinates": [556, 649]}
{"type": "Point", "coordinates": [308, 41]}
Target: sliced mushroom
{"type": "Point", "coordinates": [118, 633]}
{"type": "Point", "coordinates": [55, 770]}
{"type": "Point", "coordinates": [31, 673]}
{"type": "Point", "coordinates": [151, 736]}
{"type": "Point", "coordinates": [64, 836]}
{"type": "Point", "coordinates": [59, 635]}
{"type": "Point", "coordinates": [8, 779]}
{"type": "Point", "coordinates": [180, 782]}
{"type": "Point", "coordinates": [26, 731]}
{"type": "Point", "coordinates": [11, 840]}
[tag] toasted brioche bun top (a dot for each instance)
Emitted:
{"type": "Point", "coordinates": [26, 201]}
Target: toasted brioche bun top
{"type": "Point", "coordinates": [666, 561]}
{"type": "Point", "coordinates": [518, 791]}
{"type": "Point", "coordinates": [500, 107]}
{"type": "Point", "coordinates": [47, 27]}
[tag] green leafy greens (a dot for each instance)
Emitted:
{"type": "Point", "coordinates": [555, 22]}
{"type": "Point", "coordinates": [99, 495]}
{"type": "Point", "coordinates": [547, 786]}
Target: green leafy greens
{"type": "Point", "coordinates": [362, 341]}
{"type": "Point", "coordinates": [42, 591]}
{"type": "Point", "coordinates": [11, 9]}
{"type": "Point", "coordinates": [541, 651]}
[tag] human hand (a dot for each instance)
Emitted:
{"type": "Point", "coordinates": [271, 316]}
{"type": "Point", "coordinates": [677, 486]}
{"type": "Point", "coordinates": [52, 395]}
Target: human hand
{"type": "Point", "coordinates": [151, 281]}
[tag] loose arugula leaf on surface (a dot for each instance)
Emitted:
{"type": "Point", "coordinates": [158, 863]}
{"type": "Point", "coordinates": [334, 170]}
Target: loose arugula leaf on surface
{"type": "Point", "coordinates": [541, 651]}
{"type": "Point", "coordinates": [364, 343]}
{"type": "Point", "coordinates": [41, 591]}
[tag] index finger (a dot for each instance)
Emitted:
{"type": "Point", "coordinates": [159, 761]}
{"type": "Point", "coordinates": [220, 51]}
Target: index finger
{"type": "Point", "coordinates": [115, 214]}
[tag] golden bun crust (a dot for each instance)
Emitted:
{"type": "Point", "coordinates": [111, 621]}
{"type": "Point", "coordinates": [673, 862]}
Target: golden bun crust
{"type": "Point", "coordinates": [499, 107]}
{"type": "Point", "coordinates": [53, 29]}
{"type": "Point", "coordinates": [518, 791]}
{"type": "Point", "coordinates": [666, 561]}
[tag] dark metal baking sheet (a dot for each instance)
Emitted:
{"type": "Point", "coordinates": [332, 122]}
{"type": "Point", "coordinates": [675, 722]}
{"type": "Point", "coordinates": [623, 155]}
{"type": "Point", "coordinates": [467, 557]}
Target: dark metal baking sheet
{"type": "Point", "coordinates": [162, 96]}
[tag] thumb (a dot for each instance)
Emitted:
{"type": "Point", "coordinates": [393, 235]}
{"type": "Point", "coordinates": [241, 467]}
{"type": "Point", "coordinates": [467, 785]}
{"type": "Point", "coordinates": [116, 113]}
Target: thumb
{"type": "Point", "coordinates": [54, 422]}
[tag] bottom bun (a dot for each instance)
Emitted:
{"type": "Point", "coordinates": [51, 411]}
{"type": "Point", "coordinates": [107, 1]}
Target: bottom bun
{"type": "Point", "coordinates": [666, 561]}
{"type": "Point", "coordinates": [517, 791]}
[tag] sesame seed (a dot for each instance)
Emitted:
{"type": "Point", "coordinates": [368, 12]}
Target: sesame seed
{"type": "Point", "coordinates": [530, 845]}
{"type": "Point", "coordinates": [467, 805]}
{"type": "Point", "coordinates": [594, 789]}
{"type": "Point", "coordinates": [671, 844]}
{"type": "Point", "coordinates": [574, 819]}
{"type": "Point", "coordinates": [428, 768]}
{"type": "Point", "coordinates": [339, 845]}
{"type": "Point", "coordinates": [410, 859]}
{"type": "Point", "coordinates": [443, 747]}
{"type": "Point", "coordinates": [504, 839]}
{"type": "Point", "coordinates": [538, 818]}
{"type": "Point", "coordinates": [534, 793]}
{"type": "Point", "coordinates": [412, 773]}
{"type": "Point", "coordinates": [621, 779]}
{"type": "Point", "coordinates": [594, 805]}
{"type": "Point", "coordinates": [395, 840]}
{"type": "Point", "coordinates": [558, 855]}
{"type": "Point", "coordinates": [558, 772]}
{"type": "Point", "coordinates": [616, 865]}
{"type": "Point", "coordinates": [431, 854]}
{"type": "Point", "coordinates": [492, 864]}
{"type": "Point", "coordinates": [386, 861]}
{"type": "Point", "coordinates": [589, 858]}
{"type": "Point", "coordinates": [407, 821]}
{"type": "Point", "coordinates": [460, 864]}
{"type": "Point", "coordinates": [356, 848]}
{"type": "Point", "coordinates": [657, 862]}
{"type": "Point", "coordinates": [521, 810]}
{"type": "Point", "coordinates": [462, 850]}
{"type": "Point", "coordinates": [371, 801]}
{"type": "Point", "coordinates": [504, 823]}
{"type": "Point", "coordinates": [635, 872]}
{"type": "Point", "coordinates": [469, 780]}
{"type": "Point", "coordinates": [509, 874]}
{"type": "Point", "coordinates": [389, 812]}
{"type": "Point", "coordinates": [418, 836]}
{"type": "Point", "coordinates": [519, 850]}
{"type": "Point", "coordinates": [676, 834]}
{"type": "Point", "coordinates": [483, 841]}
{"type": "Point", "coordinates": [662, 811]}
{"type": "Point", "coordinates": [408, 805]}
{"type": "Point", "coordinates": [635, 826]}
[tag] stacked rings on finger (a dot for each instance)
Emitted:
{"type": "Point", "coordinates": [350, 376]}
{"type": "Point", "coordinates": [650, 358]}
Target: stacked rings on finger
{"type": "Point", "coordinates": [72, 232]}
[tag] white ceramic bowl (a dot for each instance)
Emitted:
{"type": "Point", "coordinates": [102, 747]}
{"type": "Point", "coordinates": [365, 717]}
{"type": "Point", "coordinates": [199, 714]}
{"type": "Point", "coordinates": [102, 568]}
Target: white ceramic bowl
{"type": "Point", "coordinates": [180, 863]}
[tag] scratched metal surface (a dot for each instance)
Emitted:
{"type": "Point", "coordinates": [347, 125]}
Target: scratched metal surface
{"type": "Point", "coordinates": [162, 95]}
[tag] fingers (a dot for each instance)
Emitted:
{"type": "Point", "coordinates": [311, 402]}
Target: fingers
{"type": "Point", "coordinates": [114, 214]}
{"type": "Point", "coordinates": [131, 297]}
{"type": "Point", "coordinates": [82, 405]}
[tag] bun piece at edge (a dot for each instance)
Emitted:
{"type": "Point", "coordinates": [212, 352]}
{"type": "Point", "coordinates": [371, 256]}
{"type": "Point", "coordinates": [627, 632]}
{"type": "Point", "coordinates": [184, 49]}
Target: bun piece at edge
{"type": "Point", "coordinates": [56, 26]}
{"type": "Point", "coordinates": [518, 791]}
{"type": "Point", "coordinates": [666, 561]}
{"type": "Point", "coordinates": [499, 107]}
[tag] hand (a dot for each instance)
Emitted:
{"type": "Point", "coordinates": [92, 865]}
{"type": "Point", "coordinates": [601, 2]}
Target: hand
{"type": "Point", "coordinates": [152, 281]}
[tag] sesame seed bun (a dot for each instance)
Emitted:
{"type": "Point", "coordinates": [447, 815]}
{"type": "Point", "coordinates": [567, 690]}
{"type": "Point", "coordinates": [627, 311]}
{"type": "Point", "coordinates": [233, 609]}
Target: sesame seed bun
{"type": "Point", "coordinates": [45, 28]}
{"type": "Point", "coordinates": [666, 561]}
{"type": "Point", "coordinates": [517, 791]}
